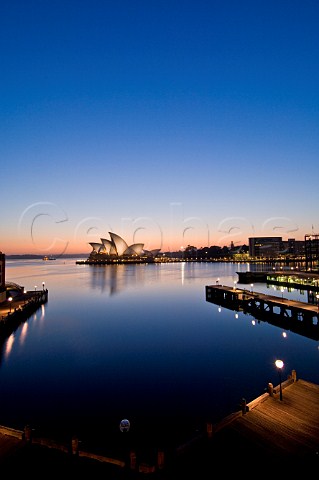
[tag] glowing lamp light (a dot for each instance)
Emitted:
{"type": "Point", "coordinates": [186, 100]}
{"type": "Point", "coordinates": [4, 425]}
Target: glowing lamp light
{"type": "Point", "coordinates": [279, 364]}
{"type": "Point", "coordinates": [10, 301]}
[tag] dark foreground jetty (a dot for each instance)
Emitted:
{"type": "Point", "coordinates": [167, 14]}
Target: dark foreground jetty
{"type": "Point", "coordinates": [276, 432]}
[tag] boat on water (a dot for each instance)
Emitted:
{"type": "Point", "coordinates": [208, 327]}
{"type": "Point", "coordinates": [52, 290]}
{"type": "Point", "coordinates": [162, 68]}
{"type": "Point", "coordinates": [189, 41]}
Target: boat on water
{"type": "Point", "coordinates": [46, 258]}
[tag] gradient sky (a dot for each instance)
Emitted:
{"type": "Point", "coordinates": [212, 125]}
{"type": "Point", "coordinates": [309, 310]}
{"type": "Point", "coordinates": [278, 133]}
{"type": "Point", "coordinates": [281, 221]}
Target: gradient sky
{"type": "Point", "coordinates": [167, 122]}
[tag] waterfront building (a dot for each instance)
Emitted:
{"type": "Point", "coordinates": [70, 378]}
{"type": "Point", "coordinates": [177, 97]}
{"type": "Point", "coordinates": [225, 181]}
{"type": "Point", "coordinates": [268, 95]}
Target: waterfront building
{"type": "Point", "coordinates": [294, 247]}
{"type": "Point", "coordinates": [271, 247]}
{"type": "Point", "coordinates": [2, 277]}
{"type": "Point", "coordinates": [312, 252]}
{"type": "Point", "coordinates": [267, 247]}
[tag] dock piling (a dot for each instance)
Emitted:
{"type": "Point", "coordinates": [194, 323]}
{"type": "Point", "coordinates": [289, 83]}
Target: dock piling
{"type": "Point", "coordinates": [243, 405]}
{"type": "Point", "coordinates": [270, 389]}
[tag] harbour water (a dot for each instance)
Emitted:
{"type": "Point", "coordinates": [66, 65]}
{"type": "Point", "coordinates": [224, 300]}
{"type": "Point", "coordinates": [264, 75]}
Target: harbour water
{"type": "Point", "coordinates": [138, 342]}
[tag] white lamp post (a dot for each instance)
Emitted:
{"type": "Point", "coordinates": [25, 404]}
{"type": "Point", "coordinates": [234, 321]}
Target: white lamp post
{"type": "Point", "coordinates": [10, 301]}
{"type": "Point", "coordinates": [279, 364]}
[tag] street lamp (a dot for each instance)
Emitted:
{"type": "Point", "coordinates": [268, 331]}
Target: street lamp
{"type": "Point", "coordinates": [10, 300]}
{"type": "Point", "coordinates": [252, 287]}
{"type": "Point", "coordinates": [282, 293]}
{"type": "Point", "coordinates": [235, 283]}
{"type": "Point", "coordinates": [43, 283]}
{"type": "Point", "coordinates": [35, 287]}
{"type": "Point", "coordinates": [279, 364]}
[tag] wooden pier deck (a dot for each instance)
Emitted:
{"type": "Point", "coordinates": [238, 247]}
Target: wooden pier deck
{"type": "Point", "coordinates": [273, 437]}
{"type": "Point", "coordinates": [19, 309]}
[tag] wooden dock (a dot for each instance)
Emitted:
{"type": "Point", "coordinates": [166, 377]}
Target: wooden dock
{"type": "Point", "coordinates": [272, 436]}
{"type": "Point", "coordinates": [19, 309]}
{"type": "Point", "coordinates": [298, 317]}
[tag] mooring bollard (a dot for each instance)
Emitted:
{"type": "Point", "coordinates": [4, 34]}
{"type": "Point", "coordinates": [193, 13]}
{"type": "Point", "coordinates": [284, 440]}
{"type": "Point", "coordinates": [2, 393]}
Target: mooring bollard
{"type": "Point", "coordinates": [133, 460]}
{"type": "Point", "coordinates": [160, 459]}
{"type": "Point", "coordinates": [28, 433]}
{"type": "Point", "coordinates": [209, 429]}
{"type": "Point", "coordinates": [294, 375]}
{"type": "Point", "coordinates": [243, 406]}
{"type": "Point", "coordinates": [270, 389]}
{"type": "Point", "coordinates": [75, 445]}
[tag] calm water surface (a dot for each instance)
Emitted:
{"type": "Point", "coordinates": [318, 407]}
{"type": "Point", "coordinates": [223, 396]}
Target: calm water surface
{"type": "Point", "coordinates": [138, 342]}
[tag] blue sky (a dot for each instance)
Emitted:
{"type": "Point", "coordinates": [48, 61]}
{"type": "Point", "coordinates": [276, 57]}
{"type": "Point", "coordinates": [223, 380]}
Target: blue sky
{"type": "Point", "coordinates": [168, 122]}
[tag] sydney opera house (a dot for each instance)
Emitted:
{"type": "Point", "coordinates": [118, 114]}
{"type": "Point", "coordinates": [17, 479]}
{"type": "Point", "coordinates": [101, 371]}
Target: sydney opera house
{"type": "Point", "coordinates": [117, 249]}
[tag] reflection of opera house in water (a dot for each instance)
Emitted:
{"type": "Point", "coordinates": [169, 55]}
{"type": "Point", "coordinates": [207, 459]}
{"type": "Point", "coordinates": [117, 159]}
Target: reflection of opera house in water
{"type": "Point", "coordinates": [117, 250]}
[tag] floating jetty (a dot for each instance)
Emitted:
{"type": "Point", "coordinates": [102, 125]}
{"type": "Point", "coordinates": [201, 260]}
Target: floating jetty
{"type": "Point", "coordinates": [298, 317]}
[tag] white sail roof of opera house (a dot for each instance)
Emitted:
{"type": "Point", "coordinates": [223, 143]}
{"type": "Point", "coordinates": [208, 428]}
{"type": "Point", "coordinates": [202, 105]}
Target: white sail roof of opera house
{"type": "Point", "coordinates": [135, 249]}
{"type": "Point", "coordinates": [96, 246]}
{"type": "Point", "coordinates": [117, 246]}
{"type": "Point", "coordinates": [109, 247]}
{"type": "Point", "coordinates": [119, 243]}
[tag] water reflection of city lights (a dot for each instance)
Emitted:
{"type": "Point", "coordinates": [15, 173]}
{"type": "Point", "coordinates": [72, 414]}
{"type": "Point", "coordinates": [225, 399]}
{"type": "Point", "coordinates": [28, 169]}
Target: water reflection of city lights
{"type": "Point", "coordinates": [42, 312]}
{"type": "Point", "coordinates": [9, 345]}
{"type": "Point", "coordinates": [23, 333]}
{"type": "Point", "coordinates": [183, 272]}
